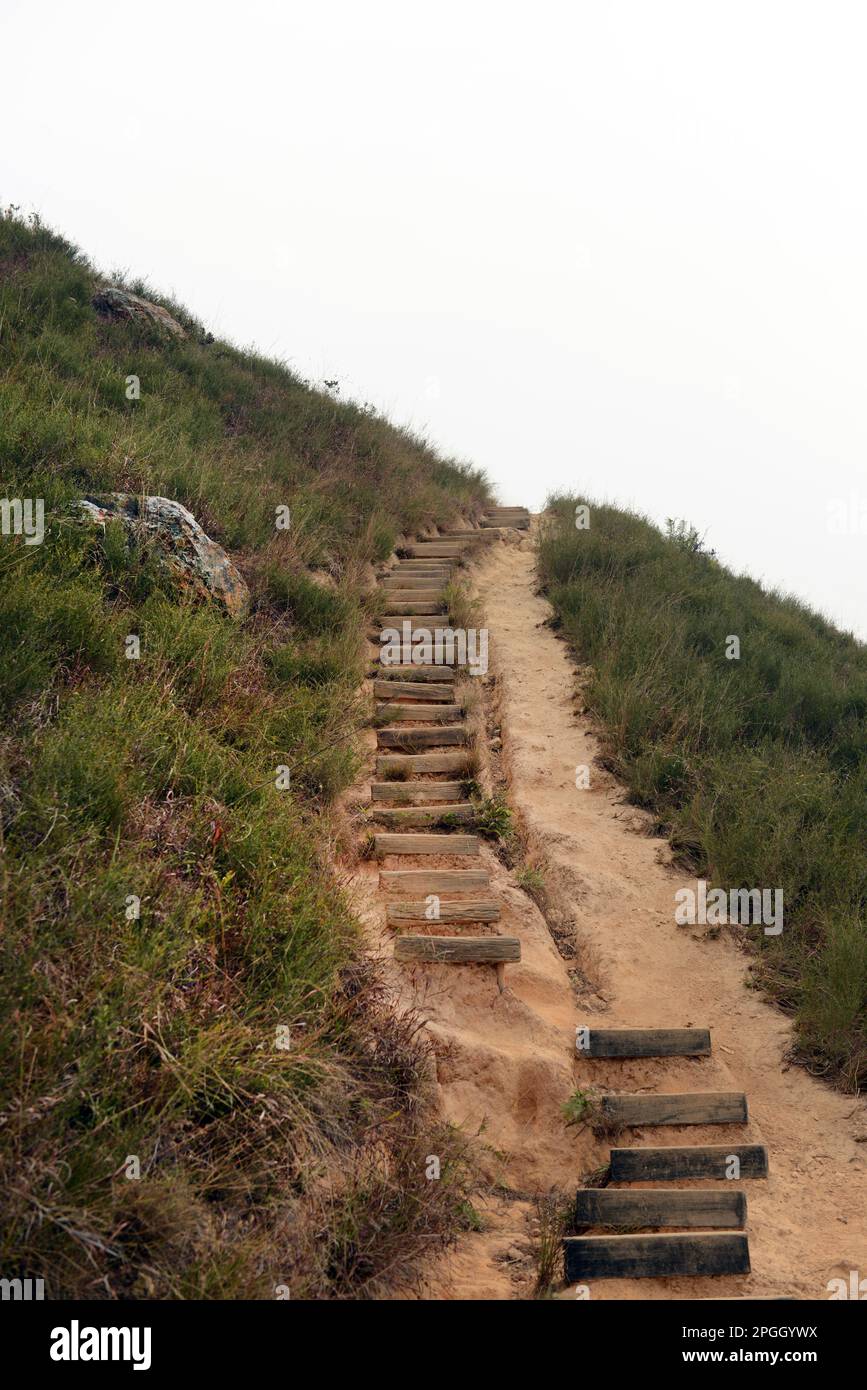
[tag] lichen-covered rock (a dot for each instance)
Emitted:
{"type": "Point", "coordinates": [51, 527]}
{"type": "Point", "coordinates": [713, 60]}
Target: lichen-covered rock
{"type": "Point", "coordinates": [120, 304]}
{"type": "Point", "coordinates": [197, 564]}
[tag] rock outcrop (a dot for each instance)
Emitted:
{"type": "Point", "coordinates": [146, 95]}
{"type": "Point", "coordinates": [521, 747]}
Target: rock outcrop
{"type": "Point", "coordinates": [197, 565]}
{"type": "Point", "coordinates": [120, 304]}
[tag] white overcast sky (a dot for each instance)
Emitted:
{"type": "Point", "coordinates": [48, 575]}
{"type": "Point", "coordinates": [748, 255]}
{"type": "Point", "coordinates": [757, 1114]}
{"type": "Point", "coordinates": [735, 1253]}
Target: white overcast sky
{"type": "Point", "coordinates": [613, 245]}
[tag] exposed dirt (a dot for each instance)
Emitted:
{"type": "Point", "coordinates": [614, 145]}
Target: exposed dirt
{"type": "Point", "coordinates": [506, 1062]}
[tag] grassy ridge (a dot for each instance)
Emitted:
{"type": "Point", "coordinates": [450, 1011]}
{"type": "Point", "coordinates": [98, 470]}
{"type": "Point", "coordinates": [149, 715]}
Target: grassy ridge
{"type": "Point", "coordinates": [757, 767]}
{"type": "Point", "coordinates": [157, 1037]}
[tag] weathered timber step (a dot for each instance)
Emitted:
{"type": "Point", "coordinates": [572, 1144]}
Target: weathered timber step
{"type": "Point", "coordinates": [416, 792]}
{"type": "Point", "coordinates": [647, 1042]}
{"type": "Point", "coordinates": [417, 710]}
{"type": "Point", "coordinates": [421, 574]}
{"type": "Point", "coordinates": [436, 550]}
{"type": "Point", "coordinates": [445, 736]}
{"type": "Point", "coordinates": [422, 569]}
{"type": "Point", "coordinates": [423, 762]}
{"type": "Point", "coordinates": [403, 591]}
{"type": "Point", "coordinates": [414, 579]}
{"type": "Point", "coordinates": [458, 950]}
{"type": "Point", "coordinates": [434, 880]}
{"type": "Point", "coordinates": [415, 610]}
{"type": "Point", "coordinates": [413, 673]}
{"type": "Point", "coordinates": [461, 811]}
{"type": "Point", "coordinates": [480, 910]}
{"type": "Point", "coordinates": [607, 1206]}
{"type": "Point", "coordinates": [690, 1161]}
{"type": "Point", "coordinates": [656, 1256]}
{"type": "Point", "coordinates": [416, 619]}
{"type": "Point", "coordinates": [393, 597]}
{"type": "Point", "coordinates": [413, 690]}
{"type": "Point", "coordinates": [448, 662]}
{"type": "Point", "coordinates": [468, 535]}
{"type": "Point", "coordinates": [426, 844]}
{"type": "Point", "coordinates": [684, 1108]}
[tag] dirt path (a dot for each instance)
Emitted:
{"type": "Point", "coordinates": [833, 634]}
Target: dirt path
{"type": "Point", "coordinates": [808, 1221]}
{"type": "Point", "coordinates": [505, 1062]}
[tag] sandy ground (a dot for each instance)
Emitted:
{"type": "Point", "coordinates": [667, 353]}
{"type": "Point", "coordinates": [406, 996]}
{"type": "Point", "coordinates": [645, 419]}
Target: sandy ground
{"type": "Point", "coordinates": [505, 1063]}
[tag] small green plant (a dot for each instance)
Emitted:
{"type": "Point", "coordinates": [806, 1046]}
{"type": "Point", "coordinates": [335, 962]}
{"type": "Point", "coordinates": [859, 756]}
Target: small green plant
{"type": "Point", "coordinates": [492, 817]}
{"type": "Point", "coordinates": [551, 1220]}
{"type": "Point", "coordinates": [531, 880]}
{"type": "Point", "coordinates": [579, 1108]}
{"type": "Point", "coordinates": [687, 538]}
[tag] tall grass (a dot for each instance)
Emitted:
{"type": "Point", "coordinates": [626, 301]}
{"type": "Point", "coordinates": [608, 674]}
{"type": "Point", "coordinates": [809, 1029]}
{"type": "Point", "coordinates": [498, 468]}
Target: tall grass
{"type": "Point", "coordinates": [755, 767]}
{"type": "Point", "coordinates": [167, 908]}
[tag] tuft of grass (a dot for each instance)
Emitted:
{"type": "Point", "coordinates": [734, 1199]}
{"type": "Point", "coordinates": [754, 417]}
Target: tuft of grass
{"type": "Point", "coordinates": [492, 817]}
{"type": "Point", "coordinates": [531, 880]}
{"type": "Point", "coordinates": [551, 1217]}
{"type": "Point", "coordinates": [579, 1108]}
{"type": "Point", "coordinates": [756, 767]}
{"type": "Point", "coordinates": [463, 609]}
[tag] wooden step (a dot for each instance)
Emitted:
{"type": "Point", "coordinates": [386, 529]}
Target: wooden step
{"type": "Point", "coordinates": [646, 1042]}
{"type": "Point", "coordinates": [656, 1256]}
{"type": "Point", "coordinates": [408, 590]}
{"type": "Point", "coordinates": [422, 762]}
{"type": "Point", "coordinates": [414, 592]}
{"type": "Point", "coordinates": [436, 550]}
{"type": "Point", "coordinates": [417, 610]}
{"type": "Point", "coordinates": [414, 673]}
{"type": "Point", "coordinates": [425, 574]}
{"type": "Point", "coordinates": [689, 1161]}
{"type": "Point", "coordinates": [458, 811]}
{"type": "Point", "coordinates": [416, 710]}
{"type": "Point", "coordinates": [608, 1206]}
{"type": "Point", "coordinates": [684, 1108]}
{"type": "Point", "coordinates": [434, 880]}
{"type": "Point", "coordinates": [416, 792]}
{"type": "Point", "coordinates": [413, 690]}
{"type": "Point", "coordinates": [450, 662]}
{"type": "Point", "coordinates": [447, 735]}
{"type": "Point", "coordinates": [477, 910]}
{"type": "Point", "coordinates": [438, 567]}
{"type": "Point", "coordinates": [427, 621]}
{"type": "Point", "coordinates": [426, 844]}
{"type": "Point", "coordinates": [458, 950]}
{"type": "Point", "coordinates": [518, 524]}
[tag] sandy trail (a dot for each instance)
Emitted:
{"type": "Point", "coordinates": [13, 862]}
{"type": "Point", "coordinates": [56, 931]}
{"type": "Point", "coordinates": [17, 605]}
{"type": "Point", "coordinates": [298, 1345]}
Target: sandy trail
{"type": "Point", "coordinates": [505, 1063]}
{"type": "Point", "coordinates": [808, 1221]}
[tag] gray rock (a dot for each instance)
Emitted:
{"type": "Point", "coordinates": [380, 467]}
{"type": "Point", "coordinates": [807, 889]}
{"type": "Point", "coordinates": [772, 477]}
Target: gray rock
{"type": "Point", "coordinates": [197, 565]}
{"type": "Point", "coordinates": [120, 304]}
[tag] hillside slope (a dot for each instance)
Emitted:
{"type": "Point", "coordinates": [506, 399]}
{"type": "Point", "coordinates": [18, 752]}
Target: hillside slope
{"type": "Point", "coordinates": [752, 759]}
{"type": "Point", "coordinates": [206, 1093]}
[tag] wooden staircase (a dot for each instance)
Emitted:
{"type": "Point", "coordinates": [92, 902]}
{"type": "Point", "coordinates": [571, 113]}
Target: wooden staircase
{"type": "Point", "coordinates": [696, 1249]}
{"type": "Point", "coordinates": [421, 730]}
{"type": "Point", "coordinates": [424, 761]}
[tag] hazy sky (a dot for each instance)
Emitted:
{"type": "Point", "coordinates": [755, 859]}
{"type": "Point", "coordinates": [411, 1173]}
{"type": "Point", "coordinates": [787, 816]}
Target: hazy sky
{"type": "Point", "coordinates": [613, 246]}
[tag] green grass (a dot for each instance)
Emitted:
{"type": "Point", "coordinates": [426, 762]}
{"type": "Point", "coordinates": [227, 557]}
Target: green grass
{"type": "Point", "coordinates": [756, 768]}
{"type": "Point", "coordinates": [153, 1035]}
